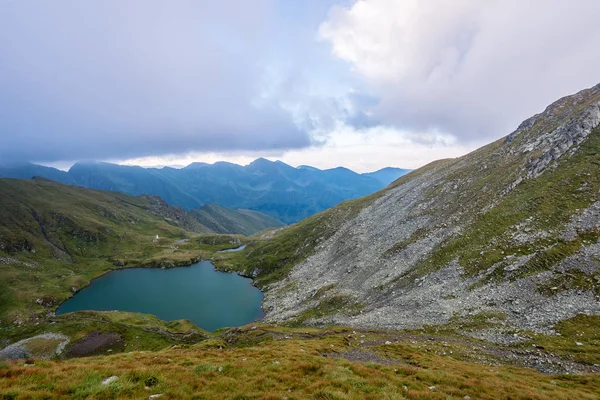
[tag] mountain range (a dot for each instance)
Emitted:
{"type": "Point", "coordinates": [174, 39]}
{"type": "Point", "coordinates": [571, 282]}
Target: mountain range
{"type": "Point", "coordinates": [507, 235]}
{"type": "Point", "coordinates": [274, 188]}
{"type": "Point", "coordinates": [473, 277]}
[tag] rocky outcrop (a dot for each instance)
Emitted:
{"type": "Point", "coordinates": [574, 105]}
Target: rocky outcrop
{"type": "Point", "coordinates": [44, 346]}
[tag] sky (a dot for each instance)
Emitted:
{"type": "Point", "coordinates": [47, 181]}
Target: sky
{"type": "Point", "coordinates": [362, 84]}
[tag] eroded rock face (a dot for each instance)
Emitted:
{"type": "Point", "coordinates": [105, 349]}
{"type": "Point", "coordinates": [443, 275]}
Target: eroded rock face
{"type": "Point", "coordinates": [376, 264]}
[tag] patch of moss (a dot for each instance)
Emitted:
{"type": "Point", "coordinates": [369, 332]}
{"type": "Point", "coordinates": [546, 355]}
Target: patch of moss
{"type": "Point", "coordinates": [416, 236]}
{"type": "Point", "coordinates": [569, 280]}
{"type": "Point", "coordinates": [578, 339]}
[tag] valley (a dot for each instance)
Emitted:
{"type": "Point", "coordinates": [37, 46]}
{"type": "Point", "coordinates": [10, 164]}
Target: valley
{"type": "Point", "coordinates": [474, 277]}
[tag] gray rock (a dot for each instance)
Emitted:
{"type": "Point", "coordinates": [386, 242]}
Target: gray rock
{"type": "Point", "coordinates": [428, 211]}
{"type": "Point", "coordinates": [110, 380]}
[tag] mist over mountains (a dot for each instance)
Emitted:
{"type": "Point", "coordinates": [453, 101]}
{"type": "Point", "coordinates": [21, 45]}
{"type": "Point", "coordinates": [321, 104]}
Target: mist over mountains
{"type": "Point", "coordinates": [272, 187]}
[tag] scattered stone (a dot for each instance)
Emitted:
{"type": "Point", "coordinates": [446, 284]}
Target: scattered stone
{"type": "Point", "coordinates": [110, 380]}
{"type": "Point", "coordinates": [155, 396]}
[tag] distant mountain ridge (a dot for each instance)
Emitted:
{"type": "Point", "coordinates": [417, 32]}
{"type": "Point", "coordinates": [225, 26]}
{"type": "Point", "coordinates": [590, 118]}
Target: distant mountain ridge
{"type": "Point", "coordinates": [274, 188]}
{"type": "Point", "coordinates": [388, 175]}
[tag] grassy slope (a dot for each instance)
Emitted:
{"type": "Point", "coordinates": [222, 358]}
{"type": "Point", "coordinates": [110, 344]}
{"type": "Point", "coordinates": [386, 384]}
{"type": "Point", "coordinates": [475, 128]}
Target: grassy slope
{"type": "Point", "coordinates": [296, 363]}
{"type": "Point", "coordinates": [55, 237]}
{"type": "Point", "coordinates": [225, 220]}
{"type": "Point", "coordinates": [269, 362]}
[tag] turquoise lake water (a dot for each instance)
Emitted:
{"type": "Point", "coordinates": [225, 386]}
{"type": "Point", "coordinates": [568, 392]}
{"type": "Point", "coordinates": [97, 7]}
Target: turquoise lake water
{"type": "Point", "coordinates": [208, 298]}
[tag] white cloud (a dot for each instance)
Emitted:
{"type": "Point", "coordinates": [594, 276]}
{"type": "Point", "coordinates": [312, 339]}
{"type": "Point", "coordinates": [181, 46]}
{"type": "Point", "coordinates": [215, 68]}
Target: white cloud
{"type": "Point", "coordinates": [471, 68]}
{"type": "Point", "coordinates": [362, 150]}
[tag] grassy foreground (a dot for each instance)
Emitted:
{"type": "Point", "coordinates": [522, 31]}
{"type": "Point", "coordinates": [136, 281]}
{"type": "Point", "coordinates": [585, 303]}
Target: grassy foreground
{"type": "Point", "coordinates": [266, 362]}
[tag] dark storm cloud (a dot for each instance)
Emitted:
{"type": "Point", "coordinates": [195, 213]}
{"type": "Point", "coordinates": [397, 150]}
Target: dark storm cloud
{"type": "Point", "coordinates": [119, 79]}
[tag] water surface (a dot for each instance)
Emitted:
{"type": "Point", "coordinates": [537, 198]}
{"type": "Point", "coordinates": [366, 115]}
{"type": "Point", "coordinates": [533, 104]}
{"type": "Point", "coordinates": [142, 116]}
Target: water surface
{"type": "Point", "coordinates": [242, 247]}
{"type": "Point", "coordinates": [208, 298]}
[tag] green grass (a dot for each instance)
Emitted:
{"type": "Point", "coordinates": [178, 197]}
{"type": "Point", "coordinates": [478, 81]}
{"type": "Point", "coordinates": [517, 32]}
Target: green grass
{"type": "Point", "coordinates": [569, 280]}
{"type": "Point", "coordinates": [582, 329]}
{"type": "Point", "coordinates": [137, 331]}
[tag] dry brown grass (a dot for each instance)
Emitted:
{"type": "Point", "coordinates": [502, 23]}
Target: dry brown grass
{"type": "Point", "coordinates": [285, 368]}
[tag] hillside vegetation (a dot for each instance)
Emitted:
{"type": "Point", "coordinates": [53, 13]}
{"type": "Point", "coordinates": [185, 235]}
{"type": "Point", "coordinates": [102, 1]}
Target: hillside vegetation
{"type": "Point", "coordinates": [221, 219]}
{"type": "Point", "coordinates": [55, 238]}
{"type": "Point", "coordinates": [269, 362]}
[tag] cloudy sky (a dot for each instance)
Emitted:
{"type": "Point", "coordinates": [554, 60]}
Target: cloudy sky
{"type": "Point", "coordinates": [363, 84]}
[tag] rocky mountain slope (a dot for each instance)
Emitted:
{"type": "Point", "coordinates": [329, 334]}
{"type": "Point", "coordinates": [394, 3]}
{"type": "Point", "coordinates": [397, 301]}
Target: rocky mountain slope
{"type": "Point", "coordinates": [283, 192]}
{"type": "Point", "coordinates": [508, 234]}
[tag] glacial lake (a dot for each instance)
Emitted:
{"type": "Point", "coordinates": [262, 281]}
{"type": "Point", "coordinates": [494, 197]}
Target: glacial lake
{"type": "Point", "coordinates": [209, 298]}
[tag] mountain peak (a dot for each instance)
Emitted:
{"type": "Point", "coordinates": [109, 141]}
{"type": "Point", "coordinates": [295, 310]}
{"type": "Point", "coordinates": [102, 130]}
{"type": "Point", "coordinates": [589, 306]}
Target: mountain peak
{"type": "Point", "coordinates": [308, 167]}
{"type": "Point", "coordinates": [261, 161]}
{"type": "Point", "coordinates": [561, 128]}
{"type": "Point", "coordinates": [195, 165]}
